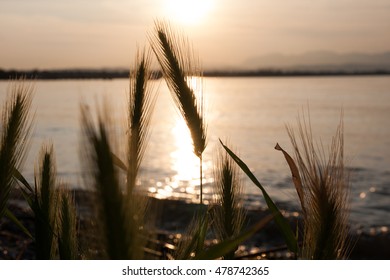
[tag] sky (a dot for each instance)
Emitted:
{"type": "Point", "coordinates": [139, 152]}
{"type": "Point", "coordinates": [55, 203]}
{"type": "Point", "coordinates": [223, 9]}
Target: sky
{"type": "Point", "coordinates": [57, 34]}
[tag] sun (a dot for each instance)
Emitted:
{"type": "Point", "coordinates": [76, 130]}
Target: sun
{"type": "Point", "coordinates": [189, 12]}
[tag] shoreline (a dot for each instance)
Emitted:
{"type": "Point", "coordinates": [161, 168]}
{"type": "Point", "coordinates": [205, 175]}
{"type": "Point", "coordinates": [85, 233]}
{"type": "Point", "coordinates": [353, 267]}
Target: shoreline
{"type": "Point", "coordinates": [108, 74]}
{"type": "Point", "coordinates": [168, 225]}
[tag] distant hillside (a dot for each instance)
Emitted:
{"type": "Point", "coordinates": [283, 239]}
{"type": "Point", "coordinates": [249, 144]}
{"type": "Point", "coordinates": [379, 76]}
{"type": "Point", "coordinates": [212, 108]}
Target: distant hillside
{"type": "Point", "coordinates": [322, 61]}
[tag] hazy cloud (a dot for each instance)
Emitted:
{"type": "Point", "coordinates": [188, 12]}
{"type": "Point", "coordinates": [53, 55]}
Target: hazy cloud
{"type": "Point", "coordinates": [41, 33]}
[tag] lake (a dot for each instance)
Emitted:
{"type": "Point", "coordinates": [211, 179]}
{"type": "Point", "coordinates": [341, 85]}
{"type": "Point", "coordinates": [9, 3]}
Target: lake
{"type": "Point", "coordinates": [250, 115]}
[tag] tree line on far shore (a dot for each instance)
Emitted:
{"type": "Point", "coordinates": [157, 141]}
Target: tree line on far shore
{"type": "Point", "coordinates": [73, 74]}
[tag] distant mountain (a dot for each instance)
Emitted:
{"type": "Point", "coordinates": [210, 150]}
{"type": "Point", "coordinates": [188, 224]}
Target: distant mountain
{"type": "Point", "coordinates": [321, 61]}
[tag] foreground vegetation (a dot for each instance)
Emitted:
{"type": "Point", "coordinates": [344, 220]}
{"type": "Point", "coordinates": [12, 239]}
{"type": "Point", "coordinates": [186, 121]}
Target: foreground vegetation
{"type": "Point", "coordinates": [122, 219]}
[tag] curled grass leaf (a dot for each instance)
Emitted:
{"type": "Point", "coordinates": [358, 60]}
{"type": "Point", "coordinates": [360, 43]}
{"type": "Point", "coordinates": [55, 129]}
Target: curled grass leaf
{"type": "Point", "coordinates": [295, 175]}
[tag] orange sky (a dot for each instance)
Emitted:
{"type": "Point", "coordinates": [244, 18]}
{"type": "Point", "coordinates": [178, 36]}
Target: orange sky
{"type": "Point", "coordinates": [102, 33]}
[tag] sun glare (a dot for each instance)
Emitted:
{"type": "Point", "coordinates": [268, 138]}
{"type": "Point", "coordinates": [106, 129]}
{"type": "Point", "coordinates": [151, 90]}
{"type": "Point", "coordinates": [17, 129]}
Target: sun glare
{"type": "Point", "coordinates": [189, 11]}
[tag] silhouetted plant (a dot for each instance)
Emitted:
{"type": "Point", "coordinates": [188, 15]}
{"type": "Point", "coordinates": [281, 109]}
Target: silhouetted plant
{"type": "Point", "coordinates": [120, 214]}
{"type": "Point", "coordinates": [141, 103]}
{"type": "Point", "coordinates": [120, 210]}
{"type": "Point", "coordinates": [45, 206]}
{"type": "Point", "coordinates": [67, 227]}
{"type": "Point", "coordinates": [15, 132]}
{"type": "Point", "coordinates": [178, 65]}
{"type": "Point", "coordinates": [192, 242]}
{"type": "Point", "coordinates": [110, 203]}
{"type": "Point", "coordinates": [281, 222]}
{"type": "Point", "coordinates": [322, 184]}
{"type": "Point", "coordinates": [228, 214]}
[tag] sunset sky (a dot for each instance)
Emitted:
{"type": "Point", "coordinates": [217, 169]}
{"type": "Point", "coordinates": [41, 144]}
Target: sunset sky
{"type": "Point", "coordinates": [100, 33]}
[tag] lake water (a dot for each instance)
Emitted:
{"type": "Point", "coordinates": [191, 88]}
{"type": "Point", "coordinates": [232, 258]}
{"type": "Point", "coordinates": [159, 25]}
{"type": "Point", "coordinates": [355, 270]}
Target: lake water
{"type": "Point", "coordinates": [250, 114]}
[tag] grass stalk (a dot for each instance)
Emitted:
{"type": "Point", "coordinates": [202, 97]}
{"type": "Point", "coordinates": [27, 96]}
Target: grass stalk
{"type": "Point", "coordinates": [228, 215]}
{"type": "Point", "coordinates": [117, 218]}
{"type": "Point", "coordinates": [141, 104]}
{"type": "Point", "coordinates": [44, 206]}
{"type": "Point", "coordinates": [178, 66]}
{"type": "Point", "coordinates": [67, 237]}
{"type": "Point", "coordinates": [15, 132]}
{"type": "Point", "coordinates": [108, 196]}
{"type": "Point", "coordinates": [201, 179]}
{"type": "Point", "coordinates": [324, 194]}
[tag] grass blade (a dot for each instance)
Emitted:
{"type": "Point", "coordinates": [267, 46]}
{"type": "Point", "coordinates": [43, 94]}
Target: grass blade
{"type": "Point", "coordinates": [282, 223]}
{"type": "Point", "coordinates": [23, 180]}
{"type": "Point", "coordinates": [229, 245]}
{"type": "Point", "coordinates": [119, 163]}
{"type": "Point", "coordinates": [15, 220]}
{"type": "Point", "coordinates": [295, 175]}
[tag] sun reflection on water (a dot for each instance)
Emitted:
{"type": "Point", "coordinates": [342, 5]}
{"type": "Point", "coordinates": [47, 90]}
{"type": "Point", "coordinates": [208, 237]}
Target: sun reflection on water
{"type": "Point", "coordinates": [184, 179]}
{"type": "Point", "coordinates": [185, 183]}
{"type": "Point", "coordinates": [184, 162]}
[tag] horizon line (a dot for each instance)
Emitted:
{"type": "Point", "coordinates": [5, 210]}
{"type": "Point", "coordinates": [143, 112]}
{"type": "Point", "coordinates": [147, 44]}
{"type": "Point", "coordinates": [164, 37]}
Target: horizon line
{"type": "Point", "coordinates": [114, 73]}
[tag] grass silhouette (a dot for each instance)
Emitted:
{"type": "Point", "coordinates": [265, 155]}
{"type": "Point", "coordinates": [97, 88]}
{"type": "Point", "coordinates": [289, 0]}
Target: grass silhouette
{"type": "Point", "coordinates": [322, 183]}
{"type": "Point", "coordinates": [179, 66]}
{"type": "Point", "coordinates": [121, 215]}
